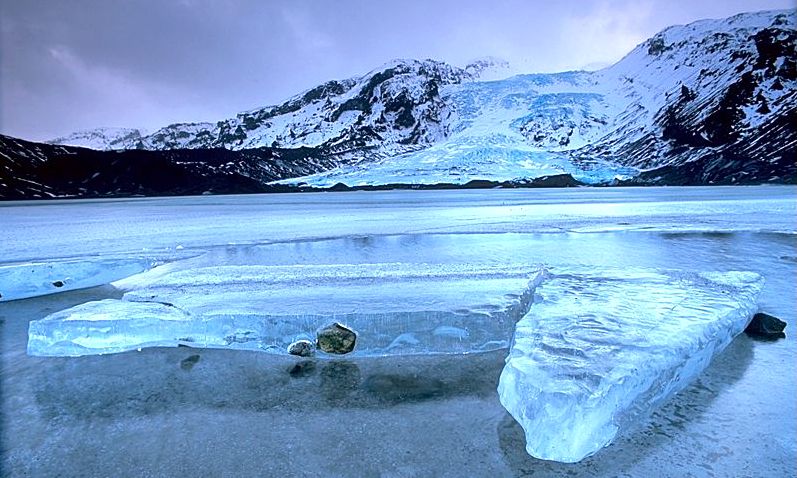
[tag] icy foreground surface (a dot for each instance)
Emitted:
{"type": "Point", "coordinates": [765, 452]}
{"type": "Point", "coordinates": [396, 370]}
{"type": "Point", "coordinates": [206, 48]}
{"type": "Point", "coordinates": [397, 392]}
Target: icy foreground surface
{"type": "Point", "coordinates": [395, 309]}
{"type": "Point", "coordinates": [604, 347]}
{"type": "Point", "coordinates": [32, 279]}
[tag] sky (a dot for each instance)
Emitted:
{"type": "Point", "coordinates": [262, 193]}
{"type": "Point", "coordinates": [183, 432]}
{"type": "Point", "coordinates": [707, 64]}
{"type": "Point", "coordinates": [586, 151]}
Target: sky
{"type": "Point", "coordinates": [73, 65]}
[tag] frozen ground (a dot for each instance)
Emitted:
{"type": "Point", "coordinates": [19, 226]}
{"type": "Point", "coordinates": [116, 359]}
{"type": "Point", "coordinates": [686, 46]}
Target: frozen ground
{"type": "Point", "coordinates": [217, 412]}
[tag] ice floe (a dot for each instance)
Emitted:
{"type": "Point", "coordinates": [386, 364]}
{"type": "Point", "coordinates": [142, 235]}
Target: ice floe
{"type": "Point", "coordinates": [394, 309]}
{"type": "Point", "coordinates": [604, 347]}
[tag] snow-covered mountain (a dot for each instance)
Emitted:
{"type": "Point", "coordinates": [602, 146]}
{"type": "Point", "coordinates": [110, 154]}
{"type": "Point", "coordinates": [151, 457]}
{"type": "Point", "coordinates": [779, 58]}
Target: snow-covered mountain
{"type": "Point", "coordinates": [395, 107]}
{"type": "Point", "coordinates": [102, 138]}
{"type": "Point", "coordinates": [709, 102]}
{"type": "Point", "coordinates": [713, 91]}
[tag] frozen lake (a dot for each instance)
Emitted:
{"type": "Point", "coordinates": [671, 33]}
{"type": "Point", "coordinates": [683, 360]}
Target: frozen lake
{"type": "Point", "coordinates": [217, 412]}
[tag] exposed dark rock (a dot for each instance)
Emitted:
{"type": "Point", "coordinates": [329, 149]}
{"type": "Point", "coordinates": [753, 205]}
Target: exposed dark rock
{"type": "Point", "coordinates": [58, 283]}
{"type": "Point", "coordinates": [31, 170]}
{"type": "Point", "coordinates": [301, 348]}
{"type": "Point", "coordinates": [656, 46]}
{"type": "Point", "coordinates": [766, 326]}
{"type": "Point", "coordinates": [362, 102]}
{"type": "Point", "coordinates": [336, 339]}
{"type": "Point", "coordinates": [553, 181]}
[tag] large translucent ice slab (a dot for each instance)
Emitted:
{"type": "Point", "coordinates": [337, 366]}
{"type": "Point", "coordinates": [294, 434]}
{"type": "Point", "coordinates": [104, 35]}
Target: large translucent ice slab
{"type": "Point", "coordinates": [394, 308]}
{"type": "Point", "coordinates": [603, 348]}
{"type": "Point", "coordinates": [20, 281]}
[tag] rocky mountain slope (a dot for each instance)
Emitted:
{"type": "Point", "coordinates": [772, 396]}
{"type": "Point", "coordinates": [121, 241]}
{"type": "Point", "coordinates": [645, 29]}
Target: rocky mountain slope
{"type": "Point", "coordinates": [712, 102]}
{"type": "Point", "coordinates": [717, 97]}
{"type": "Point", "coordinates": [395, 107]}
{"type": "Point", "coordinates": [42, 171]}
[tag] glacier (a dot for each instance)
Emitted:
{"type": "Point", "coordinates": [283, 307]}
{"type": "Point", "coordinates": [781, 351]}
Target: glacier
{"type": "Point", "coordinates": [396, 309]}
{"type": "Point", "coordinates": [490, 129]}
{"type": "Point", "coordinates": [604, 347]}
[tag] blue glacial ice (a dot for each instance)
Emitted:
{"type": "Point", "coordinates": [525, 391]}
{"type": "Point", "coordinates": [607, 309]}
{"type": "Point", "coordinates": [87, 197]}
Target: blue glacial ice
{"type": "Point", "coordinates": [518, 128]}
{"type": "Point", "coordinates": [602, 348]}
{"type": "Point", "coordinates": [32, 279]}
{"type": "Point", "coordinates": [395, 309]}
{"type": "Point", "coordinates": [592, 349]}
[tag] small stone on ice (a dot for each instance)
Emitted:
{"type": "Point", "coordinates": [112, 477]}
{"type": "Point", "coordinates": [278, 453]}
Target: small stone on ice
{"type": "Point", "coordinates": [765, 325]}
{"type": "Point", "coordinates": [302, 348]}
{"type": "Point", "coordinates": [336, 339]}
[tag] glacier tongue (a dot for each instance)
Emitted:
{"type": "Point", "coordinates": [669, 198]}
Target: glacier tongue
{"type": "Point", "coordinates": [604, 347]}
{"type": "Point", "coordinates": [395, 309]}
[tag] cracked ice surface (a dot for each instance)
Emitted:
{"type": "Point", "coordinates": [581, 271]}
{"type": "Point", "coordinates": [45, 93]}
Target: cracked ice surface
{"type": "Point", "coordinates": [395, 309]}
{"type": "Point", "coordinates": [604, 347]}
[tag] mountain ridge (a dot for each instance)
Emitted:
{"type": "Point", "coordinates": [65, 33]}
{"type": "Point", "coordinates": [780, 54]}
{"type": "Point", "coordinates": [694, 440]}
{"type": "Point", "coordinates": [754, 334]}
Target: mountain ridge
{"type": "Point", "coordinates": [710, 102]}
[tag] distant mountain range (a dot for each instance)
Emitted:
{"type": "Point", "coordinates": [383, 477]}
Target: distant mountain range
{"type": "Point", "coordinates": [712, 102]}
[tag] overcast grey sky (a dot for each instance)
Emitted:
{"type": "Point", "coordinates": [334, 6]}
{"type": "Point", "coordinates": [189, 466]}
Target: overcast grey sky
{"type": "Point", "coordinates": [73, 65]}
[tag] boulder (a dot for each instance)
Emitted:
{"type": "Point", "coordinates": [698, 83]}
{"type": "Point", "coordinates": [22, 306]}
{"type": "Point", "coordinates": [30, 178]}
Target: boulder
{"type": "Point", "coordinates": [301, 348]}
{"type": "Point", "coordinates": [766, 326]}
{"type": "Point", "coordinates": [336, 339]}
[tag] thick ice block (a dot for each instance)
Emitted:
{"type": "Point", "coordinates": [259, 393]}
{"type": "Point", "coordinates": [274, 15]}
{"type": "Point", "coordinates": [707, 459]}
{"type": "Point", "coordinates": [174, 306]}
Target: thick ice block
{"type": "Point", "coordinates": [20, 281]}
{"type": "Point", "coordinates": [394, 308]}
{"type": "Point", "coordinates": [604, 347]}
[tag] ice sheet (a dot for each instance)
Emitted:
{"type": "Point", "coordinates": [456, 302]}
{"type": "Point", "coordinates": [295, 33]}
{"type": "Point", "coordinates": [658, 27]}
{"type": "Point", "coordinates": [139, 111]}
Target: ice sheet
{"type": "Point", "coordinates": [44, 230]}
{"type": "Point", "coordinates": [604, 347]}
{"type": "Point", "coordinates": [31, 279]}
{"type": "Point", "coordinates": [394, 308]}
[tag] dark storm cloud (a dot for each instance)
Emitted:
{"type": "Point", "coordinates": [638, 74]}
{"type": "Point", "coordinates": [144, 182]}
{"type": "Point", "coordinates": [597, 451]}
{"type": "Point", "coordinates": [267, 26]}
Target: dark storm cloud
{"type": "Point", "coordinates": [70, 65]}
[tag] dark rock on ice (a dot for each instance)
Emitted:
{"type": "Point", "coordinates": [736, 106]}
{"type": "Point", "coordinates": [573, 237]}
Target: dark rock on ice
{"type": "Point", "coordinates": [189, 362]}
{"type": "Point", "coordinates": [766, 326]}
{"type": "Point", "coordinates": [302, 348]}
{"type": "Point", "coordinates": [336, 339]}
{"type": "Point", "coordinates": [58, 283]}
